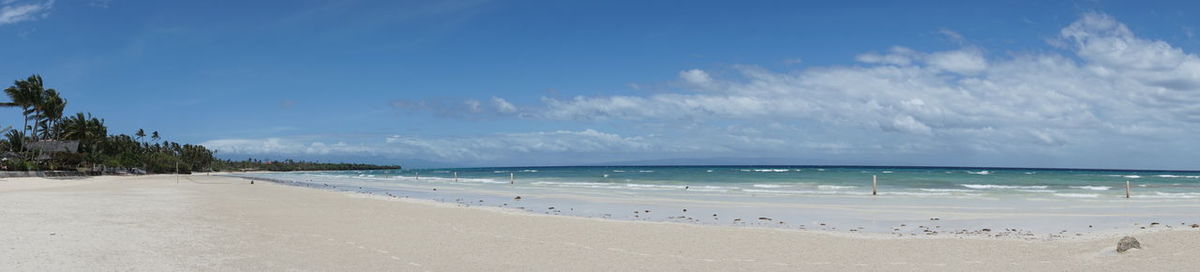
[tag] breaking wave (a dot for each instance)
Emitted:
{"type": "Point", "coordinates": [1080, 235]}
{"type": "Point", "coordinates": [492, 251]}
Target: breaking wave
{"type": "Point", "coordinates": [994, 186]}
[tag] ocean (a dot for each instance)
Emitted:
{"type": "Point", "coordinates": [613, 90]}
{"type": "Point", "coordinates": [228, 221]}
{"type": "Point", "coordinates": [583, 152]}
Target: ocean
{"type": "Point", "coordinates": [1030, 202]}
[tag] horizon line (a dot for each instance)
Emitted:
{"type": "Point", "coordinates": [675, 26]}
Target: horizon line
{"type": "Point", "coordinates": [829, 166]}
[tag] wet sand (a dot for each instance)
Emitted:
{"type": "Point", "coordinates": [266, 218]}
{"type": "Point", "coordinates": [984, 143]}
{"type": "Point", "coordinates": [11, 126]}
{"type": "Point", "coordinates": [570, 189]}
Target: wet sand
{"type": "Point", "coordinates": [190, 223]}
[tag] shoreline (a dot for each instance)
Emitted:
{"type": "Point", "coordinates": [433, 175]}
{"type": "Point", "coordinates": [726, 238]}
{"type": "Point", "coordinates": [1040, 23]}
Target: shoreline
{"type": "Point", "coordinates": [210, 223]}
{"type": "Point", "coordinates": [887, 215]}
{"type": "Point", "coordinates": [1109, 234]}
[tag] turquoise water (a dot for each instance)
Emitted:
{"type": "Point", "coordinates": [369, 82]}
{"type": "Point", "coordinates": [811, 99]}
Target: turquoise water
{"type": "Point", "coordinates": [913, 201]}
{"type": "Point", "coordinates": [809, 180]}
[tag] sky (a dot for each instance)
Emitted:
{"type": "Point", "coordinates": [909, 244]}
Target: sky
{"type": "Point", "coordinates": [1068, 84]}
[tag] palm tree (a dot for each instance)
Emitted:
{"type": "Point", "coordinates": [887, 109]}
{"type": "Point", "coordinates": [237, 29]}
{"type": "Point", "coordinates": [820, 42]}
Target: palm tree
{"type": "Point", "coordinates": [51, 108]}
{"type": "Point", "coordinates": [16, 140]}
{"type": "Point", "coordinates": [96, 129]}
{"type": "Point", "coordinates": [16, 93]}
{"type": "Point", "coordinates": [26, 94]}
{"type": "Point", "coordinates": [86, 129]}
{"type": "Point", "coordinates": [140, 134]}
{"type": "Point", "coordinates": [154, 136]}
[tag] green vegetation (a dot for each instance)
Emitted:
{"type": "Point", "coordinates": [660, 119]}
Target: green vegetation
{"type": "Point", "coordinates": [51, 141]}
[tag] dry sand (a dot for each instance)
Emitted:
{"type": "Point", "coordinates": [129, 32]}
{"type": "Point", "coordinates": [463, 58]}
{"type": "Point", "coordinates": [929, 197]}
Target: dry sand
{"type": "Point", "coordinates": [209, 223]}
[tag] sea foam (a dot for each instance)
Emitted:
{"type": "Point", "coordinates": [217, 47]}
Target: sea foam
{"type": "Point", "coordinates": [1168, 195]}
{"type": "Point", "coordinates": [835, 187]}
{"type": "Point", "coordinates": [994, 186]}
{"type": "Point", "coordinates": [770, 170]}
{"type": "Point", "coordinates": [769, 186]}
{"type": "Point", "coordinates": [947, 190]}
{"type": "Point", "coordinates": [1175, 176]}
{"type": "Point", "coordinates": [915, 193]}
{"type": "Point", "coordinates": [792, 192]}
{"type": "Point", "coordinates": [1070, 195]}
{"type": "Point", "coordinates": [1125, 176]}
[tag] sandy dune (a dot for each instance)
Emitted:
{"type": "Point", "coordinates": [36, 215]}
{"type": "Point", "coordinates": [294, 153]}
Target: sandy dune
{"type": "Point", "coordinates": [208, 223]}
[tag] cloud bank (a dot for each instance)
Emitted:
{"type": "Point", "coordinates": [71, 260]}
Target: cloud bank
{"type": "Point", "coordinates": [1113, 83]}
{"type": "Point", "coordinates": [14, 11]}
{"type": "Point", "coordinates": [482, 148]}
{"type": "Point", "coordinates": [1103, 90]}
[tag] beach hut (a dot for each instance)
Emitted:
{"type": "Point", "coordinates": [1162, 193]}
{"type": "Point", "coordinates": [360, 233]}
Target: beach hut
{"type": "Point", "coordinates": [45, 148]}
{"type": "Point", "coordinates": [54, 146]}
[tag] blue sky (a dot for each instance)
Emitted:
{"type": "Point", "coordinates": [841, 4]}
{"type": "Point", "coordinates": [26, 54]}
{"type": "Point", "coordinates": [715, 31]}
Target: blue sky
{"type": "Point", "coordinates": [1094, 84]}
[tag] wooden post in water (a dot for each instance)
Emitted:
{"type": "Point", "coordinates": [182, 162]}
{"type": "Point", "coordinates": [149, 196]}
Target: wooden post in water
{"type": "Point", "coordinates": [874, 185]}
{"type": "Point", "coordinates": [512, 178]}
{"type": "Point", "coordinates": [1126, 189]}
{"type": "Point", "coordinates": [455, 176]}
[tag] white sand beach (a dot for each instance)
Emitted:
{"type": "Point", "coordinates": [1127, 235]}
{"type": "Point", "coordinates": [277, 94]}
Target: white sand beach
{"type": "Point", "coordinates": [210, 223]}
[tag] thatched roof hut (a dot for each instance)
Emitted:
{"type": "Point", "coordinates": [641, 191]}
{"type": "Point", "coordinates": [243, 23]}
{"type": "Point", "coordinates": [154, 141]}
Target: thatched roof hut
{"type": "Point", "coordinates": [54, 146]}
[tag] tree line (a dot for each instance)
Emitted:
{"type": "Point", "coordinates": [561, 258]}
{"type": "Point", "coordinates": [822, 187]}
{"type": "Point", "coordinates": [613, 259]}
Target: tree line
{"type": "Point", "coordinates": [97, 151]}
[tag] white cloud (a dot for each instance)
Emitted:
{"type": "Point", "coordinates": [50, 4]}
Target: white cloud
{"type": "Point", "coordinates": [1121, 86]}
{"type": "Point", "coordinates": [562, 147]}
{"type": "Point", "coordinates": [695, 77]}
{"type": "Point", "coordinates": [470, 108]}
{"type": "Point", "coordinates": [958, 61]}
{"type": "Point", "coordinates": [1113, 93]}
{"type": "Point", "coordinates": [479, 148]}
{"type": "Point", "coordinates": [506, 145]}
{"type": "Point", "coordinates": [964, 61]}
{"type": "Point", "coordinates": [906, 123]}
{"type": "Point", "coordinates": [473, 106]}
{"type": "Point", "coordinates": [1112, 50]}
{"type": "Point", "coordinates": [13, 11]}
{"type": "Point", "coordinates": [283, 146]}
{"type": "Point", "coordinates": [952, 35]}
{"type": "Point", "coordinates": [503, 106]}
{"type": "Point", "coordinates": [898, 55]}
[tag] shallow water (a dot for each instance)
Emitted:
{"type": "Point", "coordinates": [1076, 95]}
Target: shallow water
{"type": "Point", "coordinates": [1040, 203]}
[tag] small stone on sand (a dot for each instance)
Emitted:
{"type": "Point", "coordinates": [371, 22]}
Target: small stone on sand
{"type": "Point", "coordinates": [1128, 243]}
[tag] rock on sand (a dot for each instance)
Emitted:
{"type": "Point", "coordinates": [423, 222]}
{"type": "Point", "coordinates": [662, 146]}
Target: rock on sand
{"type": "Point", "coordinates": [1127, 243]}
